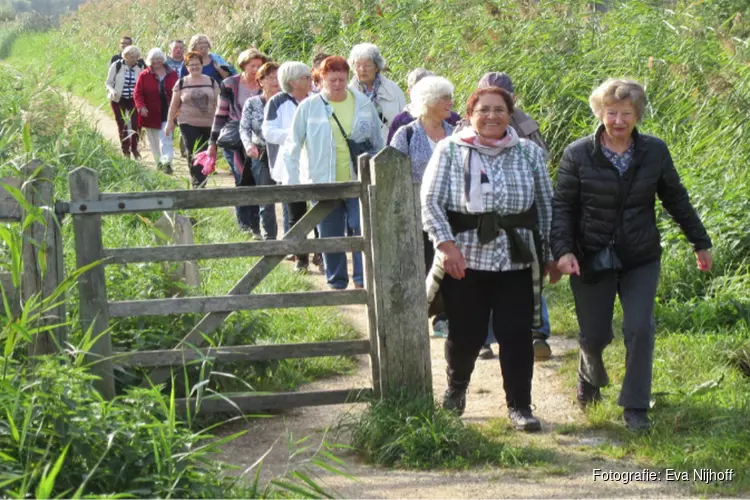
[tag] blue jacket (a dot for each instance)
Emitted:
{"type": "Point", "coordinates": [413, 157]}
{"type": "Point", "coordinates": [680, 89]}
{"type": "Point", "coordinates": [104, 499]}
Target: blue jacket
{"type": "Point", "coordinates": [210, 70]}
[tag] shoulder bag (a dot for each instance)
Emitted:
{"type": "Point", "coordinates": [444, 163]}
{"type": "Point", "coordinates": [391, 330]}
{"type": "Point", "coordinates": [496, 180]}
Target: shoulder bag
{"type": "Point", "coordinates": [601, 263]}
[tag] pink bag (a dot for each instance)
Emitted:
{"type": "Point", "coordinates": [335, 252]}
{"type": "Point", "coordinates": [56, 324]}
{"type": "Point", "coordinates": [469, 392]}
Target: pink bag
{"type": "Point", "coordinates": [208, 163]}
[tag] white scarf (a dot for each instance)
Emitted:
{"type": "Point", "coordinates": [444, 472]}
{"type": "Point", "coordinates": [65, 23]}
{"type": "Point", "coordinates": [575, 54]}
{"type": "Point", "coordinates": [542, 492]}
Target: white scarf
{"type": "Point", "coordinates": [475, 187]}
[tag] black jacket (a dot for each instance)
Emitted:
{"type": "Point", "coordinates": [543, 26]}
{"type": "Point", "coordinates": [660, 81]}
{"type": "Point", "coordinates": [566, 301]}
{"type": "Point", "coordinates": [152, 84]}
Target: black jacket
{"type": "Point", "coordinates": [589, 193]}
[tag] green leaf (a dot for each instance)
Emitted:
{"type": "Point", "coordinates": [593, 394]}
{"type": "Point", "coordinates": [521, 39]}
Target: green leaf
{"type": "Point", "coordinates": [47, 482]}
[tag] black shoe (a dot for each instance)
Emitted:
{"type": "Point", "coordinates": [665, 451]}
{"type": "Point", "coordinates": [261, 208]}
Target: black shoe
{"type": "Point", "coordinates": [523, 420]}
{"type": "Point", "coordinates": [486, 352]}
{"type": "Point", "coordinates": [587, 393]}
{"type": "Point", "coordinates": [636, 419]}
{"type": "Point", "coordinates": [455, 400]}
{"type": "Point", "coordinates": [168, 168]}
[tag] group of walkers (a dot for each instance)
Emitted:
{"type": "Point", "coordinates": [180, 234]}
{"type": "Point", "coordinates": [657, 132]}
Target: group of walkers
{"type": "Point", "coordinates": [494, 226]}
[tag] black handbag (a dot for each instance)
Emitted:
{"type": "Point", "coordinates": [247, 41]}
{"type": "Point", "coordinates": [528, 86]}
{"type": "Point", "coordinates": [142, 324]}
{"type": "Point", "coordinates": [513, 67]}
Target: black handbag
{"type": "Point", "coordinates": [356, 148]}
{"type": "Point", "coordinates": [596, 266]}
{"type": "Point", "coordinates": [229, 137]}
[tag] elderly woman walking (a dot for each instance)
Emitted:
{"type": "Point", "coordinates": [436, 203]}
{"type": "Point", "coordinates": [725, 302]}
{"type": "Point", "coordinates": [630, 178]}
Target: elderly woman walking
{"type": "Point", "coordinates": [605, 237]}
{"type": "Point", "coordinates": [385, 95]}
{"type": "Point", "coordinates": [321, 126]}
{"type": "Point", "coordinates": [432, 104]}
{"type": "Point", "coordinates": [235, 91]}
{"type": "Point", "coordinates": [121, 79]}
{"type": "Point", "coordinates": [194, 100]}
{"type": "Point", "coordinates": [213, 64]}
{"type": "Point", "coordinates": [153, 93]}
{"type": "Point", "coordinates": [406, 116]}
{"type": "Point", "coordinates": [255, 144]}
{"type": "Point", "coordinates": [295, 79]}
{"type": "Point", "coordinates": [486, 204]}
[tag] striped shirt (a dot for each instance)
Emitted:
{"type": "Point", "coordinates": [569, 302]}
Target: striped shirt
{"type": "Point", "coordinates": [519, 180]}
{"type": "Point", "coordinates": [129, 87]}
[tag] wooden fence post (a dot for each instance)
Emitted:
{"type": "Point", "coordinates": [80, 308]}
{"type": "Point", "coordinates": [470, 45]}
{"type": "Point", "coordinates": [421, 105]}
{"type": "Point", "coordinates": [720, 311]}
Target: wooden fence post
{"type": "Point", "coordinates": [92, 288]}
{"type": "Point", "coordinates": [43, 265]}
{"type": "Point", "coordinates": [365, 178]}
{"type": "Point", "coordinates": [399, 278]}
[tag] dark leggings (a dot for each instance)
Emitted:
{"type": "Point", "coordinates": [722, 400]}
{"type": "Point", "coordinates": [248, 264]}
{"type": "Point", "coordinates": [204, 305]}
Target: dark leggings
{"type": "Point", "coordinates": [127, 125]}
{"type": "Point", "coordinates": [468, 303]}
{"type": "Point", "coordinates": [196, 140]}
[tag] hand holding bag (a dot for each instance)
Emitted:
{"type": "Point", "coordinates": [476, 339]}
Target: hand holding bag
{"type": "Point", "coordinates": [597, 265]}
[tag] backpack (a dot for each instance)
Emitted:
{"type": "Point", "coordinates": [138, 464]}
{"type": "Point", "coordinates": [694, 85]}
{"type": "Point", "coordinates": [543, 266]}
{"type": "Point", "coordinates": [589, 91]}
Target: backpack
{"type": "Point", "coordinates": [182, 84]}
{"type": "Point", "coordinates": [139, 63]}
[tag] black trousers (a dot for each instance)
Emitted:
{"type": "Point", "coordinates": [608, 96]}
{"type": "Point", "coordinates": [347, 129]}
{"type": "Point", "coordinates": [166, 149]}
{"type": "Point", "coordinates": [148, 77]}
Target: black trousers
{"type": "Point", "coordinates": [196, 140]}
{"type": "Point", "coordinates": [468, 302]}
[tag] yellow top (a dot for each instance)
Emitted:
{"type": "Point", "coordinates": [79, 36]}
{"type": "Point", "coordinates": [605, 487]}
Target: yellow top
{"type": "Point", "coordinates": [345, 113]}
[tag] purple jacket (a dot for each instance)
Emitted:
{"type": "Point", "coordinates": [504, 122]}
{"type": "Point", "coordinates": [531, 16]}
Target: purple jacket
{"type": "Point", "coordinates": [405, 118]}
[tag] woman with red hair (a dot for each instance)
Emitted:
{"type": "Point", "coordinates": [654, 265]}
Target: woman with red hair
{"type": "Point", "coordinates": [324, 126]}
{"type": "Point", "coordinates": [486, 205]}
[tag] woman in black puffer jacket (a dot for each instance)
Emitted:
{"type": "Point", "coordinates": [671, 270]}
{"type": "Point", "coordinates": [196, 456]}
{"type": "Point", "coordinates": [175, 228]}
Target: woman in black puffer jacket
{"type": "Point", "coordinates": [603, 212]}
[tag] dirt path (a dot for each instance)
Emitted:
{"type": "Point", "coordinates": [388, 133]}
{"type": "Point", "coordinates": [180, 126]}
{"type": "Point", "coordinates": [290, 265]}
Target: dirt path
{"type": "Point", "coordinates": [102, 118]}
{"type": "Point", "coordinates": [569, 476]}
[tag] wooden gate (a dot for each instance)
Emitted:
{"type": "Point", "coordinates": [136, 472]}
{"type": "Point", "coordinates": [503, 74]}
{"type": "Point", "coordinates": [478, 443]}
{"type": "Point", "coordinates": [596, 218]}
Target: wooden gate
{"type": "Point", "coordinates": [394, 294]}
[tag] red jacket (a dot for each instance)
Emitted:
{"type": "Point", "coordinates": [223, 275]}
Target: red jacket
{"type": "Point", "coordinates": [147, 96]}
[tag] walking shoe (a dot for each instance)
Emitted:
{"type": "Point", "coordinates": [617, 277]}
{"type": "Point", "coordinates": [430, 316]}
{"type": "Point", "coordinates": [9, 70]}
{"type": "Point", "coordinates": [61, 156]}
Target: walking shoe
{"type": "Point", "coordinates": [587, 393]}
{"type": "Point", "coordinates": [542, 351]}
{"type": "Point", "coordinates": [455, 400]}
{"type": "Point", "coordinates": [300, 267]}
{"type": "Point", "coordinates": [486, 352]}
{"type": "Point", "coordinates": [168, 169]}
{"type": "Point", "coordinates": [523, 420]}
{"type": "Point", "coordinates": [291, 257]}
{"type": "Point", "coordinates": [440, 329]}
{"type": "Point", "coordinates": [636, 419]}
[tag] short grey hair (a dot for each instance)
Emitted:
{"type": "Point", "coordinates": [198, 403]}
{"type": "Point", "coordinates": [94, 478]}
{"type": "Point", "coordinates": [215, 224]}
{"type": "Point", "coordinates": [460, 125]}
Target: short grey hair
{"type": "Point", "coordinates": [415, 75]}
{"type": "Point", "coordinates": [427, 92]}
{"type": "Point", "coordinates": [366, 51]}
{"type": "Point", "coordinates": [291, 71]}
{"type": "Point", "coordinates": [197, 39]}
{"type": "Point", "coordinates": [155, 53]}
{"type": "Point", "coordinates": [618, 90]}
{"type": "Point", "coordinates": [131, 49]}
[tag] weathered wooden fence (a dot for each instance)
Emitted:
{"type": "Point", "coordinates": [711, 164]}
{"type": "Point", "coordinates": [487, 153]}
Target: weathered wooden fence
{"type": "Point", "coordinates": [394, 295]}
{"type": "Point", "coordinates": [41, 250]}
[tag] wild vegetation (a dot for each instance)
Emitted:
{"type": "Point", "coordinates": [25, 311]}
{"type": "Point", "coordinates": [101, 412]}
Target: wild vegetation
{"type": "Point", "coordinates": [693, 57]}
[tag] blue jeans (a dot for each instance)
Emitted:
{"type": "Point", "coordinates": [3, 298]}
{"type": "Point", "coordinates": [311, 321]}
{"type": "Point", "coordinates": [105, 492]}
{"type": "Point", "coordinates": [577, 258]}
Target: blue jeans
{"type": "Point", "coordinates": [344, 219]}
{"type": "Point", "coordinates": [248, 216]}
{"type": "Point", "coordinates": [543, 332]}
{"type": "Point", "coordinates": [267, 213]}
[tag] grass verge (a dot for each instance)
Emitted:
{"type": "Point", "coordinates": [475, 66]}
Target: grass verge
{"type": "Point", "coordinates": [414, 433]}
{"type": "Point", "coordinates": [700, 408]}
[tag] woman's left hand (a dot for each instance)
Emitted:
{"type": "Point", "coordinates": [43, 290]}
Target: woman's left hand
{"type": "Point", "coordinates": [253, 152]}
{"type": "Point", "coordinates": [551, 270]}
{"type": "Point", "coordinates": [704, 260]}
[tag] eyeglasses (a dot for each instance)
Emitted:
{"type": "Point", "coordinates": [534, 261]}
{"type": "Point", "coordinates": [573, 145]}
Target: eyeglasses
{"type": "Point", "coordinates": [489, 111]}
